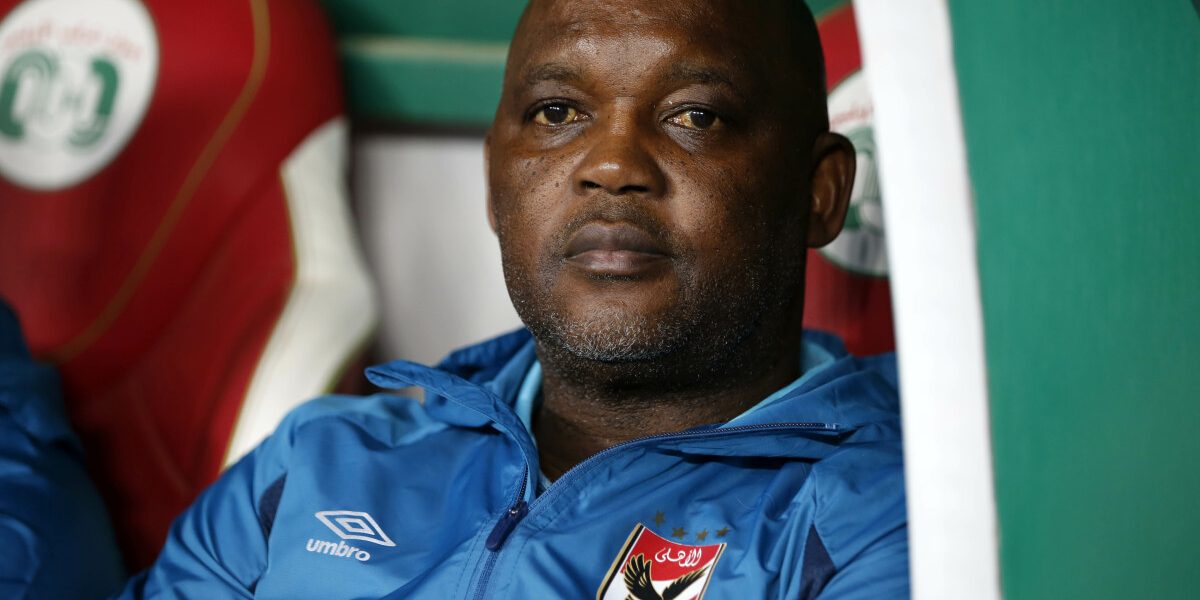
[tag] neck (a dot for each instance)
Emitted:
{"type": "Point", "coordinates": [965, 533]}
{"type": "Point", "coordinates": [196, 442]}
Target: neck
{"type": "Point", "coordinates": [580, 417]}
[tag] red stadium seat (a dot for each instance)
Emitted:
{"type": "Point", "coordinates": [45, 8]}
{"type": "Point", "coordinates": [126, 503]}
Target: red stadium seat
{"type": "Point", "coordinates": [174, 232]}
{"type": "Point", "coordinates": [847, 284]}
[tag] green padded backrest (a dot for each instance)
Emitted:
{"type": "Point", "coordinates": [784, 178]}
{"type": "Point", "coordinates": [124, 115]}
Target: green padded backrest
{"type": "Point", "coordinates": [429, 62]}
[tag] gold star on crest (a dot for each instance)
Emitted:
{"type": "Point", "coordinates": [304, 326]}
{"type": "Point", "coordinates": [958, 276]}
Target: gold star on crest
{"type": "Point", "coordinates": [722, 531]}
{"type": "Point", "coordinates": [659, 518]}
{"type": "Point", "coordinates": [703, 534]}
{"type": "Point", "coordinates": [678, 532]}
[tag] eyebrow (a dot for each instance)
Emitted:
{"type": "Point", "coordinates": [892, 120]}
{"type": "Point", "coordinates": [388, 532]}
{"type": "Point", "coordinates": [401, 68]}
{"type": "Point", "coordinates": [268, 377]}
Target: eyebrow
{"type": "Point", "coordinates": [553, 71]}
{"type": "Point", "coordinates": [693, 74]}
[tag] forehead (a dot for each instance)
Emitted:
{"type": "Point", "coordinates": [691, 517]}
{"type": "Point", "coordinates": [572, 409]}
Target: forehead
{"type": "Point", "coordinates": [739, 36]}
{"type": "Point", "coordinates": [584, 16]}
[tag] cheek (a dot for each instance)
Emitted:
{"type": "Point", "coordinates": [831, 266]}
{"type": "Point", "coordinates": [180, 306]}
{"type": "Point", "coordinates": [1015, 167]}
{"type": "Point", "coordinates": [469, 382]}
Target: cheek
{"type": "Point", "coordinates": [741, 223]}
{"type": "Point", "coordinates": [724, 209]}
{"type": "Point", "coordinates": [530, 196]}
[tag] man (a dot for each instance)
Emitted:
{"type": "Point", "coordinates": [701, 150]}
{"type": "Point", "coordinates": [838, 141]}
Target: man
{"type": "Point", "coordinates": [657, 171]}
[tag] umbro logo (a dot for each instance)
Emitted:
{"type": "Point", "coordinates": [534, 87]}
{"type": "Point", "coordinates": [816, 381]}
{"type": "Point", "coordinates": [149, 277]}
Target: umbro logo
{"type": "Point", "coordinates": [349, 525]}
{"type": "Point", "coordinates": [354, 525]}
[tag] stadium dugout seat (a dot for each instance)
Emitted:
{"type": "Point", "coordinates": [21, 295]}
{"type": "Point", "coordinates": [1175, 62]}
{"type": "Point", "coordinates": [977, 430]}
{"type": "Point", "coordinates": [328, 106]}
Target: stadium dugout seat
{"type": "Point", "coordinates": [174, 230]}
{"type": "Point", "coordinates": [847, 281]}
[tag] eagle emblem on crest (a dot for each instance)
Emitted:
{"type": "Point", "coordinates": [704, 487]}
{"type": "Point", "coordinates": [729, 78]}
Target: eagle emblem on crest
{"type": "Point", "coordinates": [651, 567]}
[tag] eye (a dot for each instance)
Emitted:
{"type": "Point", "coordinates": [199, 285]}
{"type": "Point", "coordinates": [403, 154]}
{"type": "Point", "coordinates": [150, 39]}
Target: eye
{"type": "Point", "coordinates": [695, 118]}
{"type": "Point", "coordinates": [555, 114]}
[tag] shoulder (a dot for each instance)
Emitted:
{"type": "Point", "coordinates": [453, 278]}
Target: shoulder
{"type": "Point", "coordinates": [378, 415]}
{"type": "Point", "coordinates": [858, 490]}
{"type": "Point", "coordinates": [353, 423]}
{"type": "Point", "coordinates": [859, 496]}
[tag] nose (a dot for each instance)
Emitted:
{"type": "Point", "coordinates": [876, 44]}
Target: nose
{"type": "Point", "coordinates": [620, 162]}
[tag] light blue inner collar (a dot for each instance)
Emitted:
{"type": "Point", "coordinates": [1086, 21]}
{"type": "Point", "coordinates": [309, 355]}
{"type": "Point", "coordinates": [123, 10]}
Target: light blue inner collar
{"type": "Point", "coordinates": [813, 358]}
{"type": "Point", "coordinates": [529, 397]}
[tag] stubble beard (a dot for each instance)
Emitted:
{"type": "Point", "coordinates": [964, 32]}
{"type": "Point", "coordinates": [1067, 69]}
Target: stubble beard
{"type": "Point", "coordinates": [711, 338]}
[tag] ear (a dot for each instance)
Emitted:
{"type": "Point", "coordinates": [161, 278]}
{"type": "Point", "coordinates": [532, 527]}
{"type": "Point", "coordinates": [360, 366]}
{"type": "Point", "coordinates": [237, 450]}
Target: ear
{"type": "Point", "coordinates": [832, 181]}
{"type": "Point", "coordinates": [487, 178]}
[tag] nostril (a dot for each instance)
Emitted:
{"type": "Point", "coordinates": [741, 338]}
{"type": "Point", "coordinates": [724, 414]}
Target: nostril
{"type": "Point", "coordinates": [590, 185]}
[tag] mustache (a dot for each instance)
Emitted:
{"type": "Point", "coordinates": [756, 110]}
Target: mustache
{"type": "Point", "coordinates": [622, 211]}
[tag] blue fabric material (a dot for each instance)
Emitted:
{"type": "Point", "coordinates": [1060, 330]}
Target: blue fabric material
{"type": "Point", "coordinates": [394, 498]}
{"type": "Point", "coordinates": [55, 538]}
{"type": "Point", "coordinates": [818, 568]}
{"type": "Point", "coordinates": [268, 504]}
{"type": "Point", "coordinates": [529, 397]}
{"type": "Point", "coordinates": [813, 357]}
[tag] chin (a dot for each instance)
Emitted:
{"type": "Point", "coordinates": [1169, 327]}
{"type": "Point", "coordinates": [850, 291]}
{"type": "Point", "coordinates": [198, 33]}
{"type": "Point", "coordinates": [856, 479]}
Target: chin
{"type": "Point", "coordinates": [612, 334]}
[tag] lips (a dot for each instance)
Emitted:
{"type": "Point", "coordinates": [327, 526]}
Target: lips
{"type": "Point", "coordinates": [619, 250]}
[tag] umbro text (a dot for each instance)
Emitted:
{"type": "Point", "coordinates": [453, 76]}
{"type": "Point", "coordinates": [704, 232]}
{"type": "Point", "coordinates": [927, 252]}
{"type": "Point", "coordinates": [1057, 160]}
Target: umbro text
{"type": "Point", "coordinates": [340, 549]}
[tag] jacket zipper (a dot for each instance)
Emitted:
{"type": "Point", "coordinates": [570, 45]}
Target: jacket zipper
{"type": "Point", "coordinates": [519, 509]}
{"type": "Point", "coordinates": [495, 540]}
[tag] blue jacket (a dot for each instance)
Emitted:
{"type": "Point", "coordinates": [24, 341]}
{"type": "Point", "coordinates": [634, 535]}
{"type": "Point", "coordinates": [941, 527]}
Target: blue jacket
{"type": "Point", "coordinates": [55, 538]}
{"type": "Point", "coordinates": [387, 497]}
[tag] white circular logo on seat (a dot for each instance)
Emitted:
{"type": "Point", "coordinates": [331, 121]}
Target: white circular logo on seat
{"type": "Point", "coordinates": [860, 247]}
{"type": "Point", "coordinates": [76, 77]}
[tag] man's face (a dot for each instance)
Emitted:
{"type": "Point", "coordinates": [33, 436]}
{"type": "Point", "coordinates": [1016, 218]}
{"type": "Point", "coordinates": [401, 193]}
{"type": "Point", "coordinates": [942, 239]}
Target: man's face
{"type": "Point", "coordinates": [650, 168]}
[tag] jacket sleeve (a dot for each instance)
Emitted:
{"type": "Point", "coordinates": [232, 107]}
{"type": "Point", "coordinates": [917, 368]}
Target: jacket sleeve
{"type": "Point", "coordinates": [215, 549]}
{"type": "Point", "coordinates": [880, 572]}
{"type": "Point", "coordinates": [55, 537]}
{"type": "Point", "coordinates": [218, 547]}
{"type": "Point", "coordinates": [862, 520]}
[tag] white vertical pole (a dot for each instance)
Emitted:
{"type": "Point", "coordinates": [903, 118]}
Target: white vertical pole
{"type": "Point", "coordinates": [909, 65]}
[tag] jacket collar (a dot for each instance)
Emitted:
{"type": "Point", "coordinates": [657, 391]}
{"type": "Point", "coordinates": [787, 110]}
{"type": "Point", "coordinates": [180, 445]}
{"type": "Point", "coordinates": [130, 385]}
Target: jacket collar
{"type": "Point", "coordinates": [472, 387]}
{"type": "Point", "coordinates": [476, 387]}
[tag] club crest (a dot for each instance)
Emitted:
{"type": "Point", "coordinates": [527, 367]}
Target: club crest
{"type": "Point", "coordinates": [651, 567]}
{"type": "Point", "coordinates": [861, 247]}
{"type": "Point", "coordinates": [76, 79]}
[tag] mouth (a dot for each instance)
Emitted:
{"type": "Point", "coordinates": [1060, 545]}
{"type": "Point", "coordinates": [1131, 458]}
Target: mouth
{"type": "Point", "coordinates": [615, 250]}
